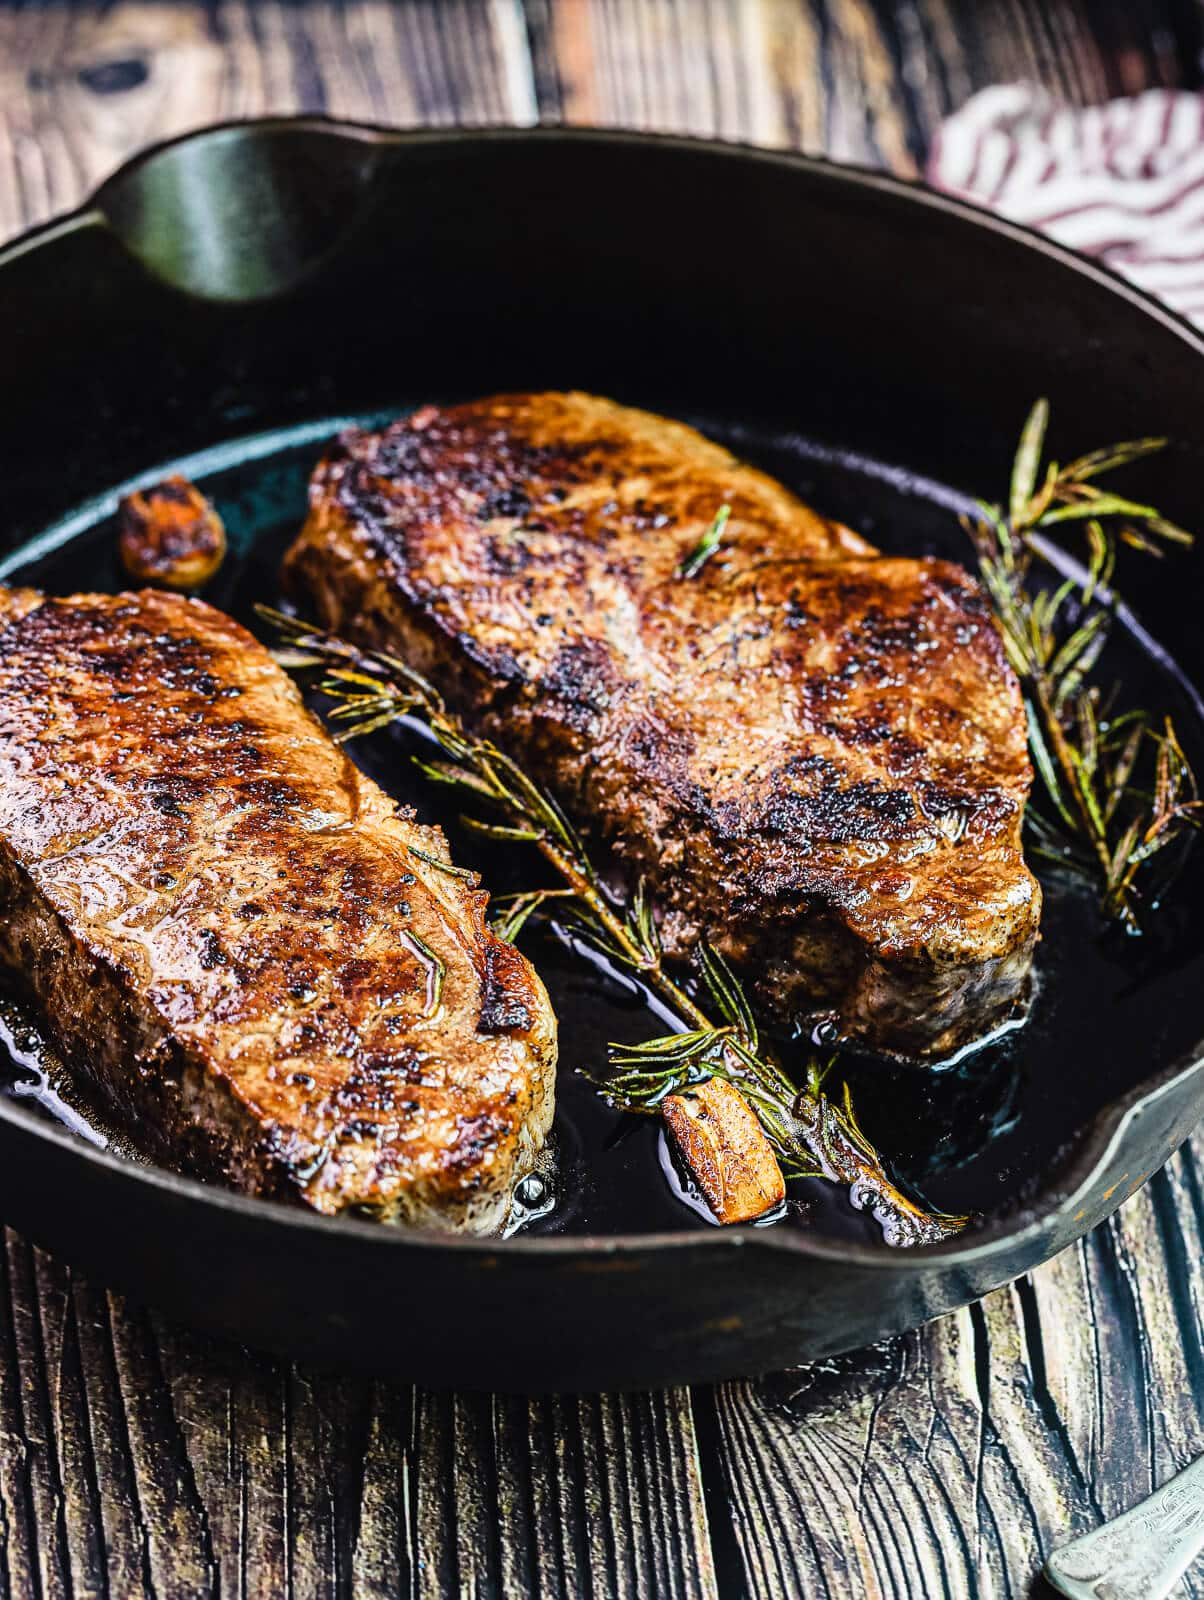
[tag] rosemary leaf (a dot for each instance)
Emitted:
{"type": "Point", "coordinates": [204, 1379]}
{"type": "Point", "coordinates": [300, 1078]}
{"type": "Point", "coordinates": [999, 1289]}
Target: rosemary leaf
{"type": "Point", "coordinates": [1044, 763]}
{"type": "Point", "coordinates": [1069, 686]}
{"type": "Point", "coordinates": [1084, 787]}
{"type": "Point", "coordinates": [522, 907]}
{"type": "Point", "coordinates": [359, 680]}
{"type": "Point", "coordinates": [1028, 459]}
{"type": "Point", "coordinates": [1078, 643]}
{"type": "Point", "coordinates": [673, 1047]}
{"type": "Point", "coordinates": [1122, 770]}
{"type": "Point", "coordinates": [1168, 530]}
{"type": "Point", "coordinates": [728, 995]}
{"type": "Point", "coordinates": [1093, 507]}
{"type": "Point", "coordinates": [364, 726]}
{"type": "Point", "coordinates": [455, 777]}
{"type": "Point", "coordinates": [1107, 460]}
{"type": "Point", "coordinates": [706, 546]}
{"type": "Point", "coordinates": [642, 925]}
{"type": "Point", "coordinates": [442, 866]}
{"type": "Point", "coordinates": [295, 660]}
{"type": "Point", "coordinates": [499, 830]}
{"type": "Point", "coordinates": [436, 970]}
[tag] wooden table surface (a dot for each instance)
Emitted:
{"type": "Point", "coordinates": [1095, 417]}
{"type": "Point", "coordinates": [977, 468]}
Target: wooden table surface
{"type": "Point", "coordinates": [135, 1456]}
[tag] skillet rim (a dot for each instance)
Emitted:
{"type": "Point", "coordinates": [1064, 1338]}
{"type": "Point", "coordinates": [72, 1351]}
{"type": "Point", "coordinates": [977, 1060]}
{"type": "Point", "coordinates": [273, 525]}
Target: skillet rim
{"type": "Point", "coordinates": [1097, 1138]}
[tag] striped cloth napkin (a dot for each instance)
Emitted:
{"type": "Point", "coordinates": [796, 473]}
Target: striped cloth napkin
{"type": "Point", "coordinates": [1123, 181]}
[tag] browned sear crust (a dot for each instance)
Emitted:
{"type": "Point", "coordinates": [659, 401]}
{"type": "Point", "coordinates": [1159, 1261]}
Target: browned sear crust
{"type": "Point", "coordinates": [231, 935]}
{"type": "Point", "coordinates": [815, 753]}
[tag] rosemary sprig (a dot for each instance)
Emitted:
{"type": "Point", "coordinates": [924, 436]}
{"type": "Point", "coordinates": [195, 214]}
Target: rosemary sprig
{"type": "Point", "coordinates": [706, 546]}
{"type": "Point", "coordinates": [1120, 787]}
{"type": "Point", "coordinates": [812, 1132]}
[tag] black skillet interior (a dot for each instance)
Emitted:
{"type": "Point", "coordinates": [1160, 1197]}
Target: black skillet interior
{"type": "Point", "coordinates": [238, 293]}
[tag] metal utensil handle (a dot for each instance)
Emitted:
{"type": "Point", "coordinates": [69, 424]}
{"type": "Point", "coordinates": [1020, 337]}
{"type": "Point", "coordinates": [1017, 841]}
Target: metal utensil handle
{"type": "Point", "coordinates": [1142, 1554]}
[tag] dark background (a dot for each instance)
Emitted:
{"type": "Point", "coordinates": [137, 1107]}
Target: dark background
{"type": "Point", "coordinates": [136, 1457]}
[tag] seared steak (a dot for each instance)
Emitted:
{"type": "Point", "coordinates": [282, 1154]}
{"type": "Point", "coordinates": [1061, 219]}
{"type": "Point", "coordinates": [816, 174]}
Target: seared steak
{"type": "Point", "coordinates": [815, 753]}
{"type": "Point", "coordinates": [245, 950]}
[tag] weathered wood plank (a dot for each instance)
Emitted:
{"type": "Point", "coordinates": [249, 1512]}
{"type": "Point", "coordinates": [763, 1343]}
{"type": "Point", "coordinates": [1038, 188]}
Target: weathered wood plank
{"type": "Point", "coordinates": [82, 87]}
{"type": "Point", "coordinates": [383, 1555]}
{"type": "Point", "coordinates": [860, 80]}
{"type": "Point", "coordinates": [29, 1498]}
{"type": "Point", "coordinates": [230, 1415]}
{"type": "Point", "coordinates": [69, 1412]}
{"type": "Point", "coordinates": [950, 1461]}
{"type": "Point", "coordinates": [139, 1456]}
{"type": "Point", "coordinates": [598, 1495]}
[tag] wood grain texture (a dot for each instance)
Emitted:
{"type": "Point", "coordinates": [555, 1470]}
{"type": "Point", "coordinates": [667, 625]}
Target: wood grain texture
{"type": "Point", "coordinates": [136, 1457]}
{"type": "Point", "coordinates": [949, 1461]}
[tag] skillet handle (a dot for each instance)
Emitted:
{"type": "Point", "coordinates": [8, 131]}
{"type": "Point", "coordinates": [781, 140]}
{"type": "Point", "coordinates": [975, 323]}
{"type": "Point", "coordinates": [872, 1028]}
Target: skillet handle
{"type": "Point", "coordinates": [244, 213]}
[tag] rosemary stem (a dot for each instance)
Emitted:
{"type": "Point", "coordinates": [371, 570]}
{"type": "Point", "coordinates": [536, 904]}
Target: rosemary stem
{"type": "Point", "coordinates": [844, 1161]}
{"type": "Point", "coordinates": [1056, 736]}
{"type": "Point", "coordinates": [652, 971]}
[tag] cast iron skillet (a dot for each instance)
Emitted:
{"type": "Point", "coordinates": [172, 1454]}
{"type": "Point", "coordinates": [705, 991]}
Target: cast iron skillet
{"type": "Point", "coordinates": [234, 292]}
